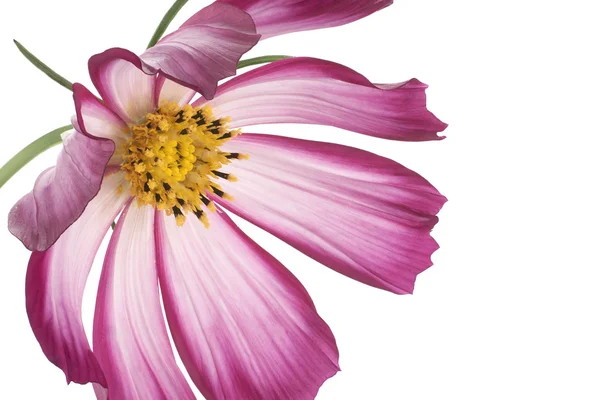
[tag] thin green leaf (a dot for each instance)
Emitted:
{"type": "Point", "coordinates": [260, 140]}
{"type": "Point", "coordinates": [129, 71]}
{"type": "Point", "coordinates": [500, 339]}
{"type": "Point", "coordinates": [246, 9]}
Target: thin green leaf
{"type": "Point", "coordinates": [30, 152]}
{"type": "Point", "coordinates": [43, 67]}
{"type": "Point", "coordinates": [260, 60]}
{"type": "Point", "coordinates": [164, 23]}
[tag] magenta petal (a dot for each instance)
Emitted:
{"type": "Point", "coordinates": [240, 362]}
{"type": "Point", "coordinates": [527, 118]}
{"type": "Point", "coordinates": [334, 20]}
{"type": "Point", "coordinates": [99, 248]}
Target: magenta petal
{"type": "Point", "coordinates": [130, 336]}
{"type": "Point", "coordinates": [276, 17]}
{"type": "Point", "coordinates": [55, 282]}
{"type": "Point", "coordinates": [100, 391]}
{"type": "Point", "coordinates": [167, 90]}
{"type": "Point", "coordinates": [205, 49]}
{"type": "Point", "coordinates": [312, 91]}
{"type": "Point", "coordinates": [61, 193]}
{"type": "Point", "coordinates": [360, 214]}
{"type": "Point", "coordinates": [95, 119]}
{"type": "Point", "coordinates": [125, 84]}
{"type": "Point", "coordinates": [244, 326]}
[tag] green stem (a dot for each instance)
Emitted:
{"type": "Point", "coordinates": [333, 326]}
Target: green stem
{"type": "Point", "coordinates": [43, 67]}
{"type": "Point", "coordinates": [30, 152]}
{"type": "Point", "coordinates": [260, 60]}
{"type": "Point", "coordinates": [164, 23]}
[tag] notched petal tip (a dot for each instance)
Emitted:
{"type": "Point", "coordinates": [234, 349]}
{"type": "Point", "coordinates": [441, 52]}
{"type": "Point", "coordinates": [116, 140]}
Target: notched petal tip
{"type": "Point", "coordinates": [435, 125]}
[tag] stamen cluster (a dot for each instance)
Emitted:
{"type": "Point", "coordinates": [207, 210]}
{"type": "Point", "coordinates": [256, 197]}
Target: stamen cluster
{"type": "Point", "coordinates": [172, 159]}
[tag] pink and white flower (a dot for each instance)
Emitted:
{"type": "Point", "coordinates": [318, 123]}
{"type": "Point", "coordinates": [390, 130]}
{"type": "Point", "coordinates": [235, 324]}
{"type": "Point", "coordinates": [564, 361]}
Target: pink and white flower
{"type": "Point", "coordinates": [242, 324]}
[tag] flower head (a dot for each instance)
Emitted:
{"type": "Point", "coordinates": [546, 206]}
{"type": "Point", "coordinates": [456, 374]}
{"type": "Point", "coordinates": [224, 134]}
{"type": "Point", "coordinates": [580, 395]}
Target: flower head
{"type": "Point", "coordinates": [172, 159]}
{"type": "Point", "coordinates": [167, 166]}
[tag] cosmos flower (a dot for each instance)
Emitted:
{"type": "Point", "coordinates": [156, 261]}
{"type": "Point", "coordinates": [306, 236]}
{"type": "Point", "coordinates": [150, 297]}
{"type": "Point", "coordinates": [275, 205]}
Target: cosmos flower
{"type": "Point", "coordinates": [243, 326]}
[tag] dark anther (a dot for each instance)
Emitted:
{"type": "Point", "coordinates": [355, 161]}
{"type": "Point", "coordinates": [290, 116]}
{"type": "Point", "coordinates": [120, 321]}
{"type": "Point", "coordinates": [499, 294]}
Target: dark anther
{"type": "Point", "coordinates": [167, 186]}
{"type": "Point", "coordinates": [149, 125]}
{"type": "Point", "coordinates": [155, 159]}
{"type": "Point", "coordinates": [184, 132]}
{"type": "Point", "coordinates": [146, 187]}
{"type": "Point", "coordinates": [216, 122]}
{"type": "Point", "coordinates": [177, 211]}
{"type": "Point", "coordinates": [218, 192]}
{"type": "Point", "coordinates": [181, 202]}
{"type": "Point", "coordinates": [198, 213]}
{"type": "Point", "coordinates": [148, 175]}
{"type": "Point", "coordinates": [205, 200]}
{"type": "Point", "coordinates": [201, 121]}
{"type": "Point", "coordinates": [157, 197]}
{"type": "Point", "coordinates": [221, 174]}
{"type": "Point", "coordinates": [214, 131]}
{"type": "Point", "coordinates": [225, 136]}
{"type": "Point", "coordinates": [232, 155]}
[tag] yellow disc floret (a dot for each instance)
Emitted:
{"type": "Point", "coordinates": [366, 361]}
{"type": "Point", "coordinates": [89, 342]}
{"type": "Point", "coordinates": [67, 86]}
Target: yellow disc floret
{"type": "Point", "coordinates": [172, 159]}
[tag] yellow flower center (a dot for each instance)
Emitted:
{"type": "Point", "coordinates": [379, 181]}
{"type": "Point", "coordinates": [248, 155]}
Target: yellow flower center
{"type": "Point", "coordinates": [172, 160]}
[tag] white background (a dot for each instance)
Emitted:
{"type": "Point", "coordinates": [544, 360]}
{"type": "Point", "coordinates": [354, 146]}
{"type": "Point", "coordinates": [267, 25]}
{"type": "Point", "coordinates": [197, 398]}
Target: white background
{"type": "Point", "coordinates": [510, 309]}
